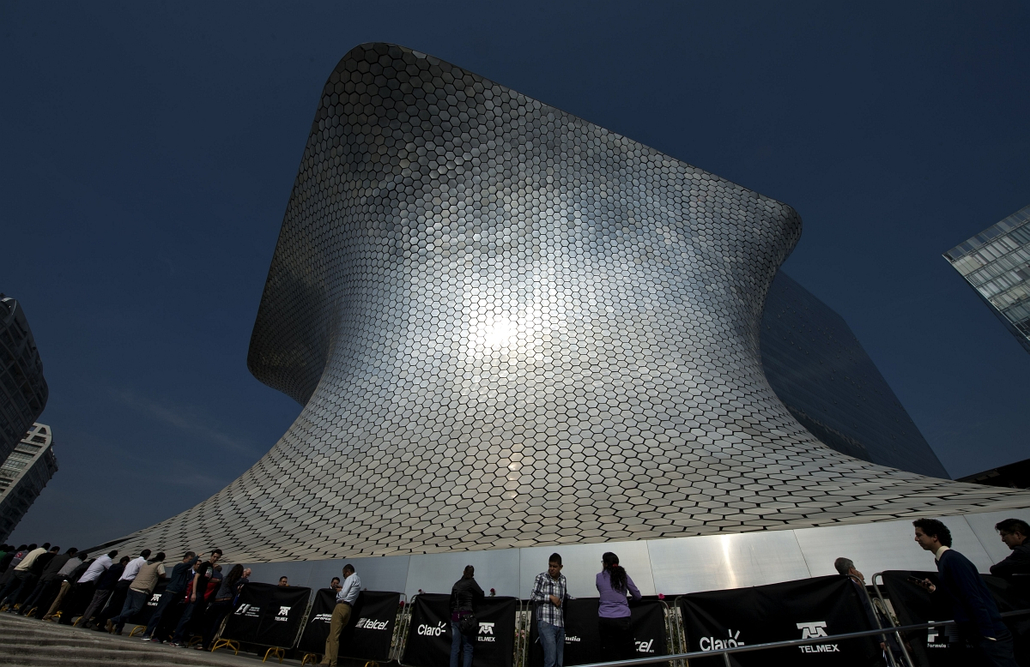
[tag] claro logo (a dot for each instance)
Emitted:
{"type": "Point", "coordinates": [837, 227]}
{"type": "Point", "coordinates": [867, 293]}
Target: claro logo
{"type": "Point", "coordinates": [714, 643]}
{"type": "Point", "coordinates": [430, 630]}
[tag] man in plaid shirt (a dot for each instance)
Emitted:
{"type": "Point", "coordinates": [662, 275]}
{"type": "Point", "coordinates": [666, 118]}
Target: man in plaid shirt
{"type": "Point", "coordinates": [550, 590]}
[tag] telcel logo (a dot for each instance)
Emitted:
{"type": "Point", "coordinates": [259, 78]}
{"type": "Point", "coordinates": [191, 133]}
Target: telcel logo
{"type": "Point", "coordinates": [429, 630]}
{"type": "Point", "coordinates": [645, 647]}
{"type": "Point", "coordinates": [713, 644]}
{"type": "Point", "coordinates": [372, 624]}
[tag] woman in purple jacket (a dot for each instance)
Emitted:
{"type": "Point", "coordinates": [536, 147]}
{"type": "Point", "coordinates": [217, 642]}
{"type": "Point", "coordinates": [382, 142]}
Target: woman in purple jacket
{"type": "Point", "coordinates": [614, 584]}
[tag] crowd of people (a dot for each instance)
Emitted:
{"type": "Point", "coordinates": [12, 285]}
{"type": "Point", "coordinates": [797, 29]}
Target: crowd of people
{"type": "Point", "coordinates": [42, 582]}
{"type": "Point", "coordinates": [104, 593]}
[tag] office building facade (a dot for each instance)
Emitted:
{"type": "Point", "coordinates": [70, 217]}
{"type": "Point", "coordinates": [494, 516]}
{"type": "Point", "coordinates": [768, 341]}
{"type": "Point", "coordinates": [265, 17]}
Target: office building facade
{"type": "Point", "coordinates": [824, 377]}
{"type": "Point", "coordinates": [509, 328]}
{"type": "Point", "coordinates": [996, 264]}
{"type": "Point", "coordinates": [23, 390]}
{"type": "Point", "coordinates": [23, 475]}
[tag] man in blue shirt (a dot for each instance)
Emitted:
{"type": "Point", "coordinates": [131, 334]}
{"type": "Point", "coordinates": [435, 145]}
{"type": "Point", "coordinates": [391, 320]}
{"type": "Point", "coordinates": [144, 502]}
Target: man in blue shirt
{"type": "Point", "coordinates": [974, 608]}
{"type": "Point", "coordinates": [173, 591]}
{"type": "Point", "coordinates": [345, 599]}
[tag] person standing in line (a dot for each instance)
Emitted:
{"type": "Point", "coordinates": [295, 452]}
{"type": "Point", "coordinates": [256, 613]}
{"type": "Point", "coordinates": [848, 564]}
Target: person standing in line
{"type": "Point", "coordinates": [975, 611]}
{"type": "Point", "coordinates": [346, 597]}
{"type": "Point", "coordinates": [48, 581]}
{"type": "Point", "coordinates": [120, 592]}
{"type": "Point", "coordinates": [140, 588]}
{"type": "Point", "coordinates": [105, 586]}
{"type": "Point", "coordinates": [228, 588]}
{"type": "Point", "coordinates": [1014, 533]}
{"type": "Point", "coordinates": [29, 578]}
{"type": "Point", "coordinates": [284, 582]}
{"type": "Point", "coordinates": [465, 595]}
{"type": "Point", "coordinates": [21, 573]}
{"type": "Point", "coordinates": [83, 589]}
{"type": "Point", "coordinates": [550, 591]}
{"type": "Point", "coordinates": [173, 591]}
{"type": "Point", "coordinates": [334, 584]}
{"type": "Point", "coordinates": [613, 585]}
{"type": "Point", "coordinates": [68, 575]}
{"type": "Point", "coordinates": [196, 605]}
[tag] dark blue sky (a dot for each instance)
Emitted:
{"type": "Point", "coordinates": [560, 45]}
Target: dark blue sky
{"type": "Point", "coordinates": [147, 151]}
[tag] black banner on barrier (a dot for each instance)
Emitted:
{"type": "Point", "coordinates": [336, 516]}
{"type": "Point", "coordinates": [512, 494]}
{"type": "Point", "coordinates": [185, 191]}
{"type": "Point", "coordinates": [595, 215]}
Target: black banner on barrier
{"type": "Point", "coordinates": [370, 631]}
{"type": "Point", "coordinates": [802, 609]}
{"type": "Point", "coordinates": [943, 646]}
{"type": "Point", "coordinates": [582, 642]}
{"type": "Point", "coordinates": [267, 615]}
{"type": "Point", "coordinates": [429, 635]}
{"type": "Point", "coordinates": [317, 629]}
{"type": "Point", "coordinates": [142, 617]}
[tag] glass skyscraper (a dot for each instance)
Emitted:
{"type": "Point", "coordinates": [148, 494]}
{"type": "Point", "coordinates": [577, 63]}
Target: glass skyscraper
{"type": "Point", "coordinates": [23, 476]}
{"type": "Point", "coordinates": [996, 263]}
{"type": "Point", "coordinates": [824, 377]}
{"type": "Point", "coordinates": [23, 391]}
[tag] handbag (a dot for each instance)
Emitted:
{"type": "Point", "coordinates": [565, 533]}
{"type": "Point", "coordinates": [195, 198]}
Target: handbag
{"type": "Point", "coordinates": [468, 624]}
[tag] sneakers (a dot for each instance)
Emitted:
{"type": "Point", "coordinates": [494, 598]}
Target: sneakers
{"type": "Point", "coordinates": [109, 626]}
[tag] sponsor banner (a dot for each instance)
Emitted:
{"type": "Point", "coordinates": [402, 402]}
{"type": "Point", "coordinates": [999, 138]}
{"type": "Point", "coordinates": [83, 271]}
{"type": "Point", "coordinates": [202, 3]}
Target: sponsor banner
{"type": "Point", "coordinates": [802, 609]}
{"type": "Point", "coordinates": [429, 634]}
{"type": "Point", "coordinates": [944, 646]}
{"type": "Point", "coordinates": [267, 615]}
{"type": "Point", "coordinates": [142, 617]}
{"type": "Point", "coordinates": [582, 643]}
{"type": "Point", "coordinates": [317, 629]}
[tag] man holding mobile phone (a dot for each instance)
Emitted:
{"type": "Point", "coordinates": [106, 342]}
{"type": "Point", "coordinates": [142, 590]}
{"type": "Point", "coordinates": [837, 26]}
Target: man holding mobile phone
{"type": "Point", "coordinates": [974, 608]}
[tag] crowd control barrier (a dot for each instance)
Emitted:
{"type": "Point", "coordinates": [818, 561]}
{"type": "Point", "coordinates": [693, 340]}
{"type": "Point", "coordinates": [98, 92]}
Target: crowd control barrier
{"type": "Point", "coordinates": [266, 615]}
{"type": "Point", "coordinates": [941, 645]}
{"type": "Point", "coordinates": [428, 642]}
{"type": "Point", "coordinates": [369, 634]}
{"type": "Point", "coordinates": [582, 642]}
{"type": "Point", "coordinates": [803, 609]}
{"type": "Point", "coordinates": [142, 617]}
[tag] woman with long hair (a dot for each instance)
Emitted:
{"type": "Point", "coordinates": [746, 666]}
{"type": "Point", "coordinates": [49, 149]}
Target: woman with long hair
{"type": "Point", "coordinates": [464, 595]}
{"type": "Point", "coordinates": [221, 605]}
{"type": "Point", "coordinates": [613, 585]}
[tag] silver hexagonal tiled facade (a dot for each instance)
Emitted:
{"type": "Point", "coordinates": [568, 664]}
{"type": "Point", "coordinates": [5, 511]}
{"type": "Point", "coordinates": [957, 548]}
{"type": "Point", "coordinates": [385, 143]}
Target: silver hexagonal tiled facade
{"type": "Point", "coordinates": [511, 327]}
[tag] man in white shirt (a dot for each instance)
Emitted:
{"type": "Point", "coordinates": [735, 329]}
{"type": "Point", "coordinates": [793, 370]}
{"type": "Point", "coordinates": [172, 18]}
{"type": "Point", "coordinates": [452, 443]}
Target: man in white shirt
{"type": "Point", "coordinates": [82, 592]}
{"type": "Point", "coordinates": [139, 592]}
{"type": "Point", "coordinates": [21, 574]}
{"type": "Point", "coordinates": [121, 589]}
{"type": "Point", "coordinates": [345, 599]}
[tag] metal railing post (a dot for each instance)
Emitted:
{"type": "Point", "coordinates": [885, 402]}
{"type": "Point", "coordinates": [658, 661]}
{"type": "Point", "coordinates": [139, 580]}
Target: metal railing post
{"type": "Point", "coordinates": [897, 635]}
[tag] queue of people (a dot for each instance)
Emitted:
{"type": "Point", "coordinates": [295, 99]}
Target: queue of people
{"type": "Point", "coordinates": [104, 594]}
{"type": "Point", "coordinates": [198, 597]}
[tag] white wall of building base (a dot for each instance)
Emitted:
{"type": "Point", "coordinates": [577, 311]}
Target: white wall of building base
{"type": "Point", "coordinates": [671, 566]}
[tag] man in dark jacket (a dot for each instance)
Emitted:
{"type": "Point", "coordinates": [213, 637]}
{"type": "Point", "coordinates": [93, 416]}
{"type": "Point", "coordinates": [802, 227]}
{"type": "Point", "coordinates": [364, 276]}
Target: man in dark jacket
{"type": "Point", "coordinates": [173, 592]}
{"type": "Point", "coordinates": [973, 606]}
{"type": "Point", "coordinates": [1014, 534]}
{"type": "Point", "coordinates": [48, 584]}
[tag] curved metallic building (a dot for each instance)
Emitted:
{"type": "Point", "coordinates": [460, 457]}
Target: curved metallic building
{"type": "Point", "coordinates": [510, 327]}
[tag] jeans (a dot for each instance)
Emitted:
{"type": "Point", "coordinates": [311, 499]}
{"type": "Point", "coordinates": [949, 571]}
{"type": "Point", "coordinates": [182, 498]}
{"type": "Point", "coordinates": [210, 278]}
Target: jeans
{"type": "Point", "coordinates": [616, 638]}
{"type": "Point", "coordinates": [134, 601]}
{"type": "Point", "coordinates": [552, 640]}
{"type": "Point", "coordinates": [193, 610]}
{"type": "Point", "coordinates": [460, 642]}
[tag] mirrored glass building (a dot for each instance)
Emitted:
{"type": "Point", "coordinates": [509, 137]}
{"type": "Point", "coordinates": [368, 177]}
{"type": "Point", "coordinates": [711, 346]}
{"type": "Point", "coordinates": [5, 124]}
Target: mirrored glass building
{"type": "Point", "coordinates": [511, 328]}
{"type": "Point", "coordinates": [23, 390]}
{"type": "Point", "coordinates": [996, 264]}
{"type": "Point", "coordinates": [824, 377]}
{"type": "Point", "coordinates": [23, 475]}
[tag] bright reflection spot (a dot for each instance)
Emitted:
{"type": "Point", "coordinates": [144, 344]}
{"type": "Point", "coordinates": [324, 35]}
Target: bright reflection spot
{"type": "Point", "coordinates": [498, 334]}
{"type": "Point", "coordinates": [727, 560]}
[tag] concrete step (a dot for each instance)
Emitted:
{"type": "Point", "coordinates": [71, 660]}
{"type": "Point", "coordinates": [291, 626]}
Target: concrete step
{"type": "Point", "coordinates": [34, 643]}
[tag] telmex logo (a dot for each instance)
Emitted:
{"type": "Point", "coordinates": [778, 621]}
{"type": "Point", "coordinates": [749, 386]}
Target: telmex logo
{"type": "Point", "coordinates": [813, 630]}
{"type": "Point", "coordinates": [154, 599]}
{"type": "Point", "coordinates": [429, 630]}
{"type": "Point", "coordinates": [488, 630]}
{"type": "Point", "coordinates": [645, 647]}
{"type": "Point", "coordinates": [712, 644]}
{"type": "Point", "coordinates": [372, 624]}
{"type": "Point", "coordinates": [283, 615]}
